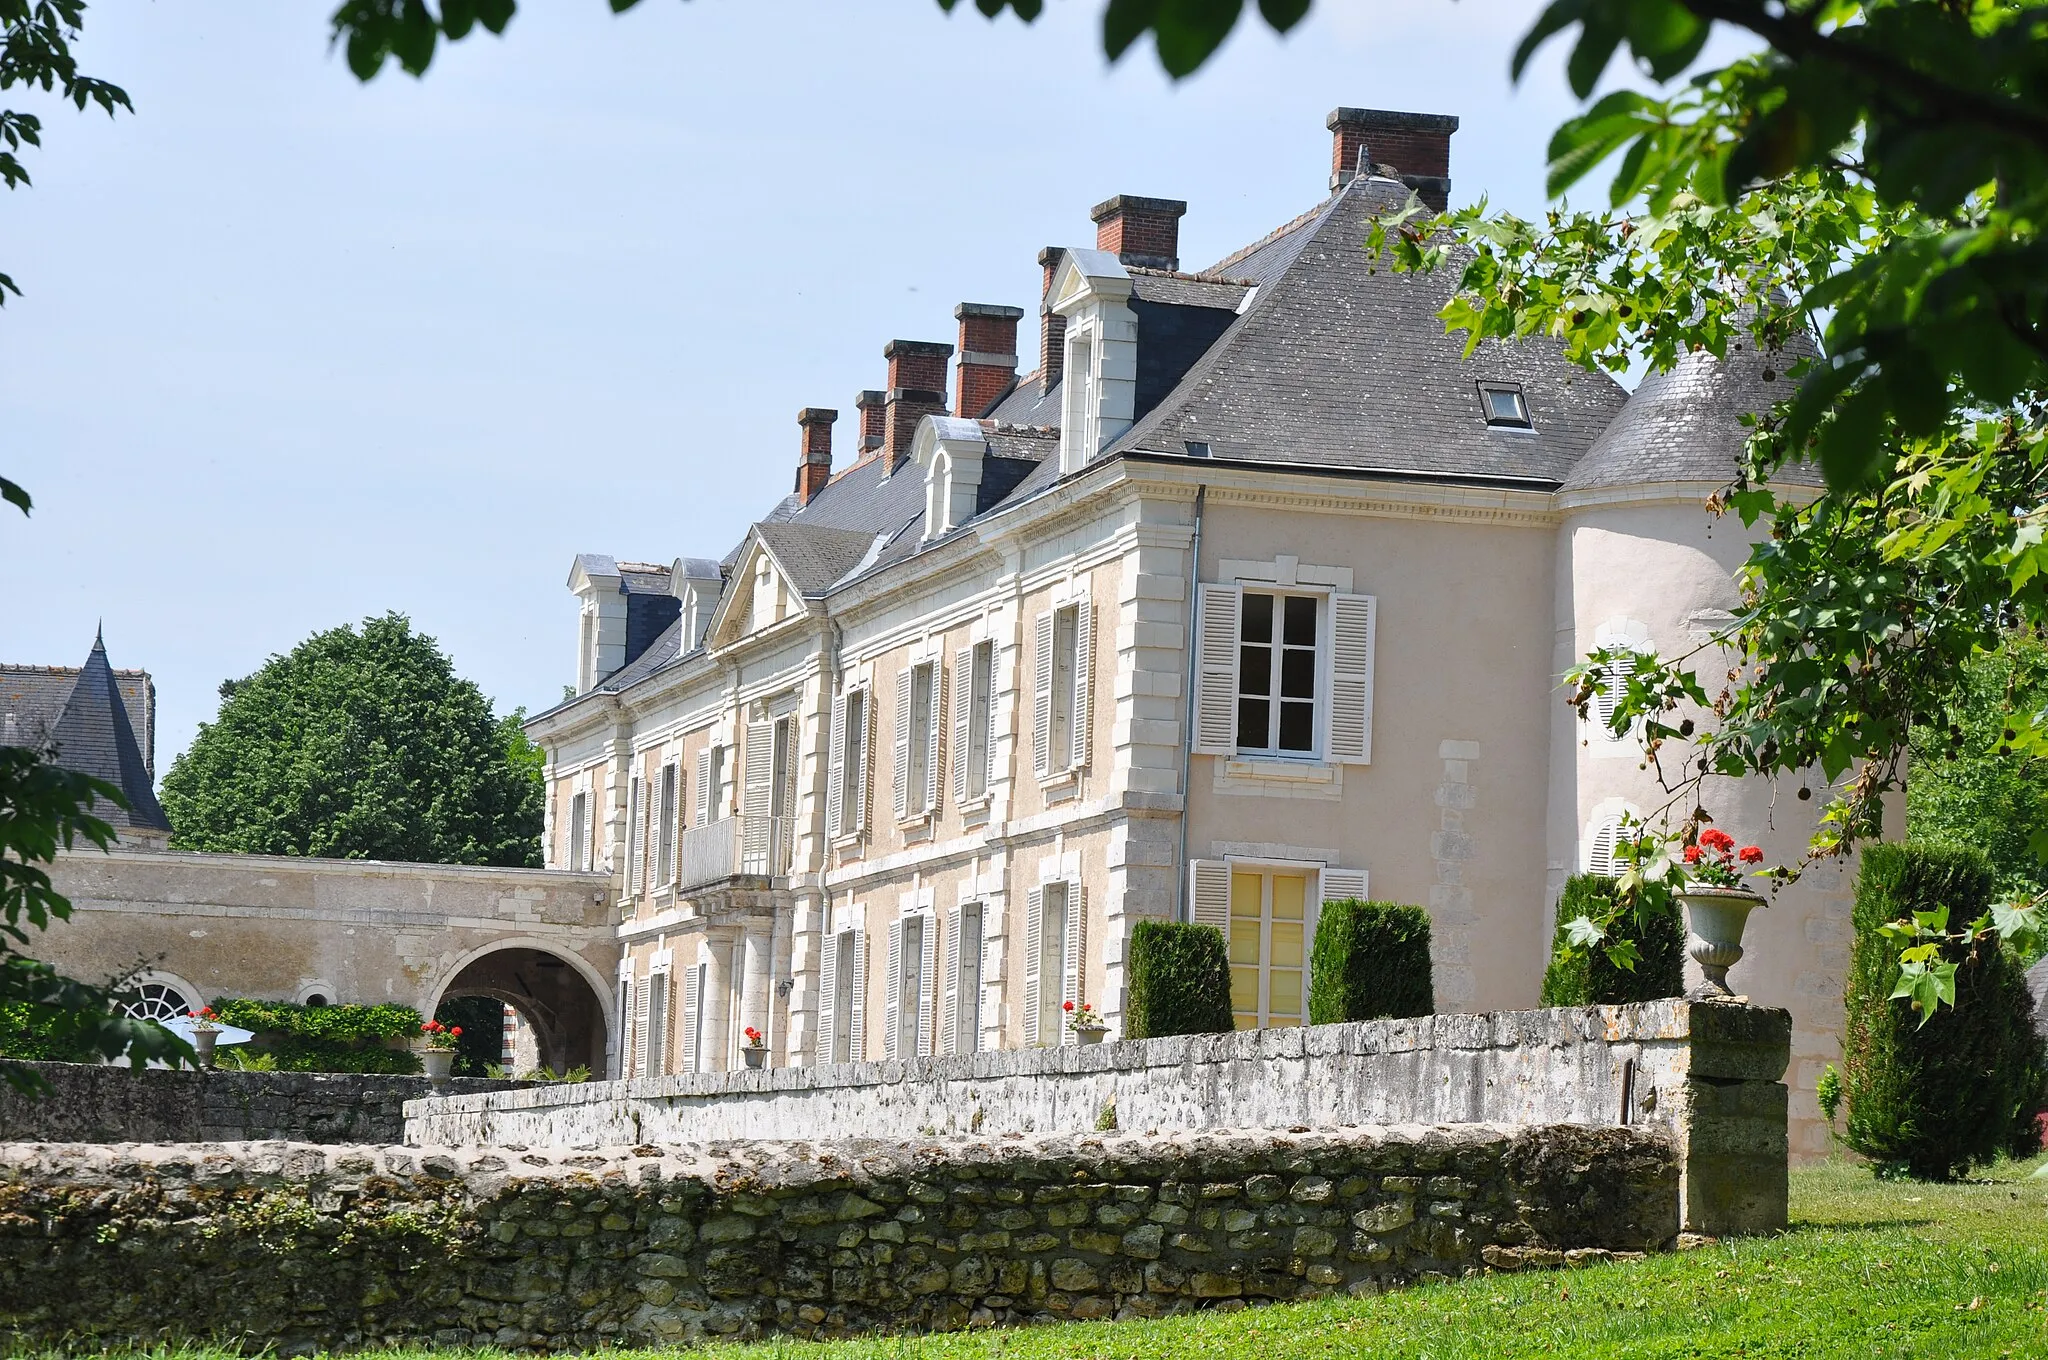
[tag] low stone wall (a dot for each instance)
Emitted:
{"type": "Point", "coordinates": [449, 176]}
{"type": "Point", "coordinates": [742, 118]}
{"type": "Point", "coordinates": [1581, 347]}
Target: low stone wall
{"type": "Point", "coordinates": [296, 1246]}
{"type": "Point", "coordinates": [94, 1104]}
{"type": "Point", "coordinates": [1709, 1075]}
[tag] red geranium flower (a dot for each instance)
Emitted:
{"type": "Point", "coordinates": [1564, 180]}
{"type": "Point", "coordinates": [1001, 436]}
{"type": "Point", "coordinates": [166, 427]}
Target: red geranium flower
{"type": "Point", "coordinates": [1716, 839]}
{"type": "Point", "coordinates": [1692, 854]}
{"type": "Point", "coordinates": [456, 1031]}
{"type": "Point", "coordinates": [1751, 854]}
{"type": "Point", "coordinates": [1066, 1005]}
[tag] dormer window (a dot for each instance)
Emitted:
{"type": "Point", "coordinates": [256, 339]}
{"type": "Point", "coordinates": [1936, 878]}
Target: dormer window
{"type": "Point", "coordinates": [1504, 405]}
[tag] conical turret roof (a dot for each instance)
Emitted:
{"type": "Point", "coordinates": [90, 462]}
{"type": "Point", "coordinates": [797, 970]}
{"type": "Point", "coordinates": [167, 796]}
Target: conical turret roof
{"type": "Point", "coordinates": [93, 736]}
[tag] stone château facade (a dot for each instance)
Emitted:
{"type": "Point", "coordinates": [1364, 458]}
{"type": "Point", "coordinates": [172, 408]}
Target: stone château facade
{"type": "Point", "coordinates": [1254, 594]}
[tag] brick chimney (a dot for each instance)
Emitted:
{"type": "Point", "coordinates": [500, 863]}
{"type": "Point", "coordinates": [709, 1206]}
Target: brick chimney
{"type": "Point", "coordinates": [873, 407]}
{"type": "Point", "coordinates": [1416, 145]}
{"type": "Point", "coordinates": [1140, 231]}
{"type": "Point", "coordinates": [814, 466]}
{"type": "Point", "coordinates": [988, 355]}
{"type": "Point", "coordinates": [1052, 328]}
{"type": "Point", "coordinates": [917, 388]}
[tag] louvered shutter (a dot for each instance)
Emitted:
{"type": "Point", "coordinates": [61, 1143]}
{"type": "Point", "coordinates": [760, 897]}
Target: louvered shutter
{"type": "Point", "coordinates": [666, 833]}
{"type": "Point", "coordinates": [864, 785]}
{"type": "Point", "coordinates": [993, 706]}
{"type": "Point", "coordinates": [1034, 928]}
{"type": "Point", "coordinates": [1084, 681]}
{"type": "Point", "coordinates": [980, 987]}
{"type": "Point", "coordinates": [892, 990]}
{"type": "Point", "coordinates": [693, 1005]}
{"type": "Point", "coordinates": [1041, 699]}
{"type": "Point", "coordinates": [625, 1047]}
{"type": "Point", "coordinates": [704, 790]}
{"type": "Point", "coordinates": [828, 999]}
{"type": "Point", "coordinates": [903, 716]}
{"type": "Point", "coordinates": [640, 1029]}
{"type": "Point", "coordinates": [1209, 892]}
{"type": "Point", "coordinates": [857, 1008]}
{"type": "Point", "coordinates": [935, 740]}
{"type": "Point", "coordinates": [927, 989]}
{"type": "Point", "coordinates": [1216, 643]}
{"type": "Point", "coordinates": [1353, 621]}
{"type": "Point", "coordinates": [1074, 948]}
{"type": "Point", "coordinates": [1619, 671]}
{"type": "Point", "coordinates": [656, 1062]}
{"type": "Point", "coordinates": [1600, 855]}
{"type": "Point", "coordinates": [681, 820]}
{"type": "Point", "coordinates": [1343, 884]}
{"type": "Point", "coordinates": [757, 792]}
{"type": "Point", "coordinates": [835, 769]}
{"type": "Point", "coordinates": [636, 847]}
{"type": "Point", "coordinates": [949, 1012]}
{"type": "Point", "coordinates": [590, 821]}
{"type": "Point", "coordinates": [963, 713]}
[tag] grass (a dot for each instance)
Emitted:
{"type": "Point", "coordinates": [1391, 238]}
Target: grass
{"type": "Point", "coordinates": [1870, 1269]}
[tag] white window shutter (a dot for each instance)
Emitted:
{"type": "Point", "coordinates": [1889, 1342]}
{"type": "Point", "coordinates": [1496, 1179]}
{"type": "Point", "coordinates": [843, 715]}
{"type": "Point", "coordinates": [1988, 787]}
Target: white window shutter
{"type": "Point", "coordinates": [656, 1064]}
{"type": "Point", "coordinates": [828, 998]}
{"type": "Point", "coordinates": [1600, 858]}
{"type": "Point", "coordinates": [704, 790]}
{"type": "Point", "coordinates": [949, 1014]}
{"type": "Point", "coordinates": [670, 836]}
{"type": "Point", "coordinates": [927, 989]}
{"type": "Point", "coordinates": [759, 780]}
{"type": "Point", "coordinates": [1034, 947]}
{"type": "Point", "coordinates": [636, 846]}
{"type": "Point", "coordinates": [980, 984]}
{"type": "Point", "coordinates": [835, 769]}
{"type": "Point", "coordinates": [903, 743]}
{"type": "Point", "coordinates": [892, 990]}
{"type": "Point", "coordinates": [1216, 643]}
{"type": "Point", "coordinates": [1619, 672]}
{"type": "Point", "coordinates": [590, 829]}
{"type": "Point", "coordinates": [1041, 699]}
{"type": "Point", "coordinates": [864, 785]}
{"type": "Point", "coordinates": [692, 1005]}
{"type": "Point", "coordinates": [1209, 881]}
{"type": "Point", "coordinates": [640, 1028]}
{"type": "Point", "coordinates": [1075, 946]}
{"type": "Point", "coordinates": [857, 1008]}
{"type": "Point", "coordinates": [1342, 884]}
{"type": "Point", "coordinates": [1084, 680]}
{"type": "Point", "coordinates": [1353, 621]}
{"type": "Point", "coordinates": [993, 707]}
{"type": "Point", "coordinates": [935, 740]}
{"type": "Point", "coordinates": [963, 706]}
{"type": "Point", "coordinates": [625, 1053]}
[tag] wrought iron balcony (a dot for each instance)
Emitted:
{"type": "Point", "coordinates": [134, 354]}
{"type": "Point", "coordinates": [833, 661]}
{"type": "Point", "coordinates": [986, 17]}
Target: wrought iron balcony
{"type": "Point", "coordinates": [734, 847]}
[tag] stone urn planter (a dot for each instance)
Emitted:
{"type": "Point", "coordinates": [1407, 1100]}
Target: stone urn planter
{"type": "Point", "coordinates": [203, 1041]}
{"type": "Point", "coordinates": [440, 1063]}
{"type": "Point", "coordinates": [1714, 918]}
{"type": "Point", "coordinates": [756, 1055]}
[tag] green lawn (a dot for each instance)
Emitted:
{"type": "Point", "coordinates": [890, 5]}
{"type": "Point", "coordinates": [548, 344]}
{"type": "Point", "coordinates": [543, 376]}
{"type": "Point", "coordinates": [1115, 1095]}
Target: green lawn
{"type": "Point", "coordinates": [1869, 1270]}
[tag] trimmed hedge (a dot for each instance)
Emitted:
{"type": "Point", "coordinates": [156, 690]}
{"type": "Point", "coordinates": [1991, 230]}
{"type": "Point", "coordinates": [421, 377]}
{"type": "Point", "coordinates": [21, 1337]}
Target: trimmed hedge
{"type": "Point", "coordinates": [1591, 979]}
{"type": "Point", "coordinates": [1180, 981]}
{"type": "Point", "coordinates": [1930, 1101]}
{"type": "Point", "coordinates": [326, 1038]}
{"type": "Point", "coordinates": [1371, 960]}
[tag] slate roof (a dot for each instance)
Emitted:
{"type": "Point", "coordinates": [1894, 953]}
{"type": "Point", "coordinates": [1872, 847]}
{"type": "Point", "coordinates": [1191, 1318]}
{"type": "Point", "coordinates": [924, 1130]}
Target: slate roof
{"type": "Point", "coordinates": [1686, 425]}
{"type": "Point", "coordinates": [815, 556]}
{"type": "Point", "coordinates": [93, 736]}
{"type": "Point", "coordinates": [1337, 363]}
{"type": "Point", "coordinates": [33, 697]}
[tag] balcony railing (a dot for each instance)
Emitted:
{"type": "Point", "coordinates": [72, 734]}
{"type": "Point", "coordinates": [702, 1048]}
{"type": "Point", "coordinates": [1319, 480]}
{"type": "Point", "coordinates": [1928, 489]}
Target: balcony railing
{"type": "Point", "coordinates": [733, 847]}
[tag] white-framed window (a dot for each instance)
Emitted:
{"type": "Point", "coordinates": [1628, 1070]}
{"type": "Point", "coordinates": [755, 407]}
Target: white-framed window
{"type": "Point", "coordinates": [1630, 639]}
{"type": "Point", "coordinates": [920, 699]}
{"type": "Point", "coordinates": [1284, 673]}
{"type": "Point", "coordinates": [578, 856]}
{"type": "Point", "coordinates": [654, 1057]}
{"type": "Point", "coordinates": [1600, 838]}
{"type": "Point", "coordinates": [712, 790]}
{"type": "Point", "coordinates": [1055, 927]}
{"type": "Point", "coordinates": [636, 837]}
{"type": "Point", "coordinates": [908, 1007]}
{"type": "Point", "coordinates": [152, 998]}
{"type": "Point", "coordinates": [974, 709]}
{"type": "Point", "coordinates": [847, 784]}
{"type": "Point", "coordinates": [665, 811]}
{"type": "Point", "coordinates": [1267, 913]}
{"type": "Point", "coordinates": [622, 1060]}
{"type": "Point", "coordinates": [842, 994]}
{"type": "Point", "coordinates": [1065, 656]}
{"type": "Point", "coordinates": [960, 1015]}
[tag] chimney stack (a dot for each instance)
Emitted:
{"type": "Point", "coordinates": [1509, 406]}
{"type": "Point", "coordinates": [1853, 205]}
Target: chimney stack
{"type": "Point", "coordinates": [988, 355]}
{"type": "Point", "coordinates": [1140, 231]}
{"type": "Point", "coordinates": [1052, 328]}
{"type": "Point", "coordinates": [917, 388]}
{"type": "Point", "coordinates": [814, 468]}
{"type": "Point", "coordinates": [1416, 145]}
{"type": "Point", "coordinates": [874, 408]}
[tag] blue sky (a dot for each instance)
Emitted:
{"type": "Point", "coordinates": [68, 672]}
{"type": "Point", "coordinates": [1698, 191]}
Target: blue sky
{"type": "Point", "coordinates": [295, 350]}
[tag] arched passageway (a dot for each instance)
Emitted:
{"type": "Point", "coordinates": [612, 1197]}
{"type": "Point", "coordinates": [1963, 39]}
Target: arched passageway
{"type": "Point", "coordinates": [565, 1012]}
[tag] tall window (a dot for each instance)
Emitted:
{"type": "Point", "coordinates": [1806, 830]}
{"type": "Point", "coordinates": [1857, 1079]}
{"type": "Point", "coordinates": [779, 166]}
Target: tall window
{"type": "Point", "coordinates": [665, 831]}
{"type": "Point", "coordinates": [906, 1014]}
{"type": "Point", "coordinates": [846, 985]}
{"type": "Point", "coordinates": [579, 832]}
{"type": "Point", "coordinates": [1276, 673]}
{"type": "Point", "coordinates": [980, 713]}
{"type": "Point", "coordinates": [654, 1062]}
{"type": "Point", "coordinates": [1051, 949]}
{"type": "Point", "coordinates": [963, 981]}
{"type": "Point", "coordinates": [849, 773]}
{"type": "Point", "coordinates": [1268, 939]}
{"type": "Point", "coordinates": [921, 728]}
{"type": "Point", "coordinates": [1061, 731]}
{"type": "Point", "coordinates": [714, 784]}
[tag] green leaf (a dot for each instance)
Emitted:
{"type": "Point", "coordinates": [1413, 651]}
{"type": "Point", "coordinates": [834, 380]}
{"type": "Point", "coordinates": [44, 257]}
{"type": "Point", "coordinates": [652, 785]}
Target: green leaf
{"type": "Point", "coordinates": [1558, 16]}
{"type": "Point", "coordinates": [13, 492]}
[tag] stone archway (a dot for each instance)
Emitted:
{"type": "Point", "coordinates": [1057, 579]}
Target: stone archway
{"type": "Point", "coordinates": [550, 990]}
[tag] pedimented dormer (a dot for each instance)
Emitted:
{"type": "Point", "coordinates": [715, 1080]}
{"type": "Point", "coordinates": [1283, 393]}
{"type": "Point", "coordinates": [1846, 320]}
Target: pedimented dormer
{"type": "Point", "coordinates": [950, 450]}
{"type": "Point", "coordinates": [697, 582]}
{"type": "Point", "coordinates": [778, 572]}
{"type": "Point", "coordinates": [600, 619]}
{"type": "Point", "coordinates": [1092, 292]}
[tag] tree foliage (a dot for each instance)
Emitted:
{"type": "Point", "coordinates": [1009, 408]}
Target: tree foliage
{"type": "Point", "coordinates": [1369, 960]}
{"type": "Point", "coordinates": [359, 744]}
{"type": "Point", "coordinates": [1180, 981]}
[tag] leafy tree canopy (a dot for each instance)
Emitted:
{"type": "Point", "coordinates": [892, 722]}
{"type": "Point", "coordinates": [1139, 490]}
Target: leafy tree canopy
{"type": "Point", "coordinates": [359, 745]}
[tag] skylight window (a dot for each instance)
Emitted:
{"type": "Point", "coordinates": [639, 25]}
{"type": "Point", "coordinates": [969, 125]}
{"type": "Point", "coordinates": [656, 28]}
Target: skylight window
{"type": "Point", "coordinates": [1504, 406]}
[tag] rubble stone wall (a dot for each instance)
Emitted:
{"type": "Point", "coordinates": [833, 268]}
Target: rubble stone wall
{"type": "Point", "coordinates": [299, 1246]}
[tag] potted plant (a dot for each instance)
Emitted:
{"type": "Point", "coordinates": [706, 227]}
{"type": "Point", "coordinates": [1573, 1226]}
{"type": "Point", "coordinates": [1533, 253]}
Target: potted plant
{"type": "Point", "coordinates": [1717, 905]}
{"type": "Point", "coordinates": [204, 1033]}
{"type": "Point", "coordinates": [755, 1049]}
{"type": "Point", "coordinates": [437, 1051]}
{"type": "Point", "coordinates": [1082, 1021]}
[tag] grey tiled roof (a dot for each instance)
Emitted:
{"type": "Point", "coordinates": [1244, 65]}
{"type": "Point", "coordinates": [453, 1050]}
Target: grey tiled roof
{"type": "Point", "coordinates": [666, 648]}
{"type": "Point", "coordinates": [32, 698]}
{"type": "Point", "coordinates": [1339, 363]}
{"type": "Point", "coordinates": [1686, 425]}
{"type": "Point", "coordinates": [93, 736]}
{"type": "Point", "coordinates": [815, 556]}
{"type": "Point", "coordinates": [1026, 405]}
{"type": "Point", "coordinates": [1186, 290]}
